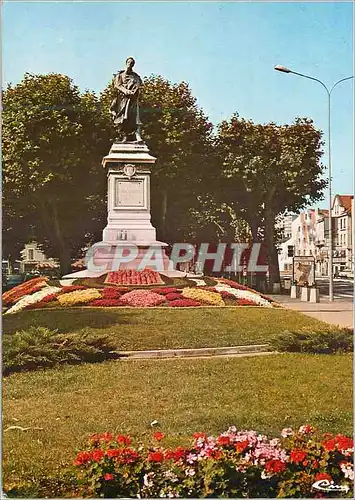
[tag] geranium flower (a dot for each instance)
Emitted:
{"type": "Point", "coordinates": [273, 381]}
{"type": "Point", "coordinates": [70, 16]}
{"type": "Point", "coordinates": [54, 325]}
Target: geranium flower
{"type": "Point", "coordinates": [158, 436]}
{"type": "Point", "coordinates": [108, 477]}
{"type": "Point", "coordinates": [297, 455]}
{"type": "Point", "coordinates": [275, 466]}
{"type": "Point", "coordinates": [97, 455]}
{"type": "Point", "coordinates": [155, 456]}
{"type": "Point", "coordinates": [322, 475]}
{"type": "Point", "coordinates": [82, 458]}
{"type": "Point", "coordinates": [122, 439]}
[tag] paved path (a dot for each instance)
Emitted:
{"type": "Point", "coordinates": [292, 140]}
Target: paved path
{"type": "Point", "coordinates": [340, 312]}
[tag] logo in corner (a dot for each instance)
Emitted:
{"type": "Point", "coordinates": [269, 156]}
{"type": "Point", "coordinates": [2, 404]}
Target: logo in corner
{"type": "Point", "coordinates": [326, 485]}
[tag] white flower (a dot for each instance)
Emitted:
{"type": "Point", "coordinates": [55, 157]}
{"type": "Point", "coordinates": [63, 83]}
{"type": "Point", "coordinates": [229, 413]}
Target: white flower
{"type": "Point", "coordinates": [190, 472]}
{"type": "Point", "coordinates": [347, 470]}
{"type": "Point", "coordinates": [243, 294]}
{"type": "Point", "coordinates": [28, 300]}
{"type": "Point", "coordinates": [287, 431]}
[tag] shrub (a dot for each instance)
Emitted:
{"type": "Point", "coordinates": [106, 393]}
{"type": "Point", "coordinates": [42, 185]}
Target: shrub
{"type": "Point", "coordinates": [236, 464]}
{"type": "Point", "coordinates": [40, 347]}
{"type": "Point", "coordinates": [331, 340]}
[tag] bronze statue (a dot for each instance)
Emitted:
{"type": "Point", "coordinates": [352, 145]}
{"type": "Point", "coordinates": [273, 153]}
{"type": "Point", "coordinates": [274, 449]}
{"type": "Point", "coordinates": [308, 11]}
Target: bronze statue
{"type": "Point", "coordinates": [125, 106]}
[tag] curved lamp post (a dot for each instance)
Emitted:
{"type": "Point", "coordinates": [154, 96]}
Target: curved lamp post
{"type": "Point", "coordinates": [329, 92]}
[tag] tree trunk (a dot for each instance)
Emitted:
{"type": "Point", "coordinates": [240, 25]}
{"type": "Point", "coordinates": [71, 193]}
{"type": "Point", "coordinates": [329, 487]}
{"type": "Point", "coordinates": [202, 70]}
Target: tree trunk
{"type": "Point", "coordinates": [164, 212]}
{"type": "Point", "coordinates": [63, 250]}
{"type": "Point", "coordinates": [254, 226]}
{"type": "Point", "coordinates": [273, 261]}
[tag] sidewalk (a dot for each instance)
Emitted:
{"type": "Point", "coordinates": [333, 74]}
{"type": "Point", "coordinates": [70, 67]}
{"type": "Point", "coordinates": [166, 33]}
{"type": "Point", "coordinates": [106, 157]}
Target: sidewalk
{"type": "Point", "coordinates": [340, 312]}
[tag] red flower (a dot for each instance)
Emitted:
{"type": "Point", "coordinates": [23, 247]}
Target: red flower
{"type": "Point", "coordinates": [173, 296]}
{"type": "Point", "coordinates": [329, 445]}
{"type": "Point", "coordinates": [179, 453]}
{"type": "Point", "coordinates": [297, 456]}
{"type": "Point", "coordinates": [108, 477]}
{"type": "Point", "coordinates": [241, 446]}
{"type": "Point", "coordinates": [304, 463]}
{"type": "Point", "coordinates": [323, 475]}
{"type": "Point", "coordinates": [113, 453]}
{"type": "Point", "coordinates": [306, 429]}
{"type": "Point", "coordinates": [158, 436]}
{"type": "Point", "coordinates": [122, 439]}
{"type": "Point", "coordinates": [199, 435]}
{"type": "Point", "coordinates": [224, 440]}
{"type": "Point", "coordinates": [344, 443]}
{"type": "Point", "coordinates": [315, 464]}
{"type": "Point", "coordinates": [97, 455]}
{"type": "Point", "coordinates": [82, 458]}
{"type": "Point", "coordinates": [215, 454]}
{"type": "Point", "coordinates": [97, 438]}
{"type": "Point", "coordinates": [184, 303]}
{"type": "Point", "coordinates": [275, 466]}
{"type": "Point", "coordinates": [155, 456]}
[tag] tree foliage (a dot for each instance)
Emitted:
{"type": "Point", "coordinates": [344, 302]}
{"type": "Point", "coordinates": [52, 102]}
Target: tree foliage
{"type": "Point", "coordinates": [53, 140]}
{"type": "Point", "coordinates": [268, 168]}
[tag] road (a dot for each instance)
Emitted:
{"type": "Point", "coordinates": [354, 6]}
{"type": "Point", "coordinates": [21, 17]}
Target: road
{"type": "Point", "coordinates": [343, 287]}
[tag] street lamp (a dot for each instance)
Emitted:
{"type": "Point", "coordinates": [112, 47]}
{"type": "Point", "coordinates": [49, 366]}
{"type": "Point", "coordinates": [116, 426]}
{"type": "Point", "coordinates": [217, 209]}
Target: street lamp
{"type": "Point", "coordinates": [329, 92]}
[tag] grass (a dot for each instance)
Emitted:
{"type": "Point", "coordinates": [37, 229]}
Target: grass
{"type": "Point", "coordinates": [133, 329]}
{"type": "Point", "coordinates": [264, 393]}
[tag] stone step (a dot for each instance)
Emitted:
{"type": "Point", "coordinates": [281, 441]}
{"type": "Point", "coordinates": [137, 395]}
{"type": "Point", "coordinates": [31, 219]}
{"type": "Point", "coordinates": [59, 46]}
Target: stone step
{"type": "Point", "coordinates": [198, 352]}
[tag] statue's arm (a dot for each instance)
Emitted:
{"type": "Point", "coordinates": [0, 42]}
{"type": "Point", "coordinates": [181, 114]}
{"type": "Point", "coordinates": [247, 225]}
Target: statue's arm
{"type": "Point", "coordinates": [118, 84]}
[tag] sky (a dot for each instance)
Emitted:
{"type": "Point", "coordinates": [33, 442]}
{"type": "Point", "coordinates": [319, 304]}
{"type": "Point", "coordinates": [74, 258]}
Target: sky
{"type": "Point", "coordinates": [226, 51]}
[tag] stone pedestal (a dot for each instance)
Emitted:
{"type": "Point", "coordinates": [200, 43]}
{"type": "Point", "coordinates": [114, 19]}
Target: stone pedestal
{"type": "Point", "coordinates": [304, 294]}
{"type": "Point", "coordinates": [314, 295]}
{"type": "Point", "coordinates": [293, 292]}
{"type": "Point", "coordinates": [129, 221]}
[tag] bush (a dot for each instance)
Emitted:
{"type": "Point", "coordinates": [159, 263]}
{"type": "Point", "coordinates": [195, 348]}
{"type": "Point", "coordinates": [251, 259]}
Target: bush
{"type": "Point", "coordinates": [40, 347]}
{"type": "Point", "coordinates": [236, 464]}
{"type": "Point", "coordinates": [333, 340]}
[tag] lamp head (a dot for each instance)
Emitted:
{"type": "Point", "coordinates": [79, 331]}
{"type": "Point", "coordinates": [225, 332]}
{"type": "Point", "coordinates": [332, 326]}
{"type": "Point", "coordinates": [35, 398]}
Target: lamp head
{"type": "Point", "coordinates": [282, 69]}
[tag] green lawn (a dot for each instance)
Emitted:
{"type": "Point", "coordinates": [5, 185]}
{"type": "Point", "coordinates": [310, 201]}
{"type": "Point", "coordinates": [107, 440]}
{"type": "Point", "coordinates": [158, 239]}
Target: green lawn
{"type": "Point", "coordinates": [262, 393]}
{"type": "Point", "coordinates": [139, 329]}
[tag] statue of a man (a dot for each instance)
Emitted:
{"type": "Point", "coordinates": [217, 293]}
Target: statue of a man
{"type": "Point", "coordinates": [125, 107]}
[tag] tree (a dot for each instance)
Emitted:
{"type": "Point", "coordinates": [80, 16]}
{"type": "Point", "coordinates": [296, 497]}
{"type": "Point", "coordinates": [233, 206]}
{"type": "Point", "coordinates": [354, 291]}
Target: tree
{"type": "Point", "coordinates": [53, 140]}
{"type": "Point", "coordinates": [266, 169]}
{"type": "Point", "coordinates": [179, 135]}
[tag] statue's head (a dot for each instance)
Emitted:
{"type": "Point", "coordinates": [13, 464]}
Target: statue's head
{"type": "Point", "coordinates": [130, 62]}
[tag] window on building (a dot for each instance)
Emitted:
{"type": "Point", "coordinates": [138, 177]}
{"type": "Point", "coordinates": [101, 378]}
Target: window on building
{"type": "Point", "coordinates": [31, 254]}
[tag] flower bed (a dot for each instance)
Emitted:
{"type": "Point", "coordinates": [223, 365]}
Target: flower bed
{"type": "Point", "coordinates": [78, 297]}
{"type": "Point", "coordinates": [142, 298]}
{"type": "Point", "coordinates": [249, 295]}
{"type": "Point", "coordinates": [184, 293]}
{"type": "Point", "coordinates": [237, 464]}
{"type": "Point", "coordinates": [184, 303]}
{"type": "Point", "coordinates": [106, 303]}
{"type": "Point", "coordinates": [204, 296]}
{"type": "Point", "coordinates": [15, 294]}
{"type": "Point", "coordinates": [132, 277]}
{"type": "Point", "coordinates": [29, 300]}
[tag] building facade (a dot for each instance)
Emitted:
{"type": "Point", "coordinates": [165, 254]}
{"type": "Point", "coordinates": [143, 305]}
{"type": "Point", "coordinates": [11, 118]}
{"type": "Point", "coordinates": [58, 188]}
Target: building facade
{"type": "Point", "coordinates": [310, 237]}
{"type": "Point", "coordinates": [33, 259]}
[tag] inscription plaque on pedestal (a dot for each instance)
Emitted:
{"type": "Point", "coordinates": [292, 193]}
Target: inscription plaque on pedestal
{"type": "Point", "coordinates": [129, 193]}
